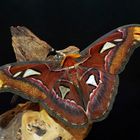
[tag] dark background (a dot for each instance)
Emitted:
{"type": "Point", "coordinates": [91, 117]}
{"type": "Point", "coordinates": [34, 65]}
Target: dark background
{"type": "Point", "coordinates": [71, 22]}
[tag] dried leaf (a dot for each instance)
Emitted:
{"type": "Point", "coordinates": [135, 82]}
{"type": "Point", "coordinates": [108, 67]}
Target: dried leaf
{"type": "Point", "coordinates": [27, 46]}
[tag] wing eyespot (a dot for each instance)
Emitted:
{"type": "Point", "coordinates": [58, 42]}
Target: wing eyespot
{"type": "Point", "coordinates": [17, 74]}
{"type": "Point", "coordinates": [106, 46]}
{"type": "Point", "coordinates": [91, 81]}
{"type": "Point", "coordinates": [64, 91]}
{"type": "Point", "coordinates": [26, 73]}
{"type": "Point", "coordinates": [30, 72]}
{"type": "Point", "coordinates": [118, 40]}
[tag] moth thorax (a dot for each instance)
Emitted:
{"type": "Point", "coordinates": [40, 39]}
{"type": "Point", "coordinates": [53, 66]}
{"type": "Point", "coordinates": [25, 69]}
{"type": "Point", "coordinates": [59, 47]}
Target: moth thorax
{"type": "Point", "coordinates": [69, 60]}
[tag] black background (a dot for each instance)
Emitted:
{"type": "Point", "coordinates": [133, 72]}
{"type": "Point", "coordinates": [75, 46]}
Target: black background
{"type": "Point", "coordinates": [69, 22]}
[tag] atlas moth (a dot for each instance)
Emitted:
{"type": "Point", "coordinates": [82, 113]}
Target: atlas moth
{"type": "Point", "coordinates": [81, 89]}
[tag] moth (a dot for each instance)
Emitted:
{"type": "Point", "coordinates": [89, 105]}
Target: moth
{"type": "Point", "coordinates": [75, 88]}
